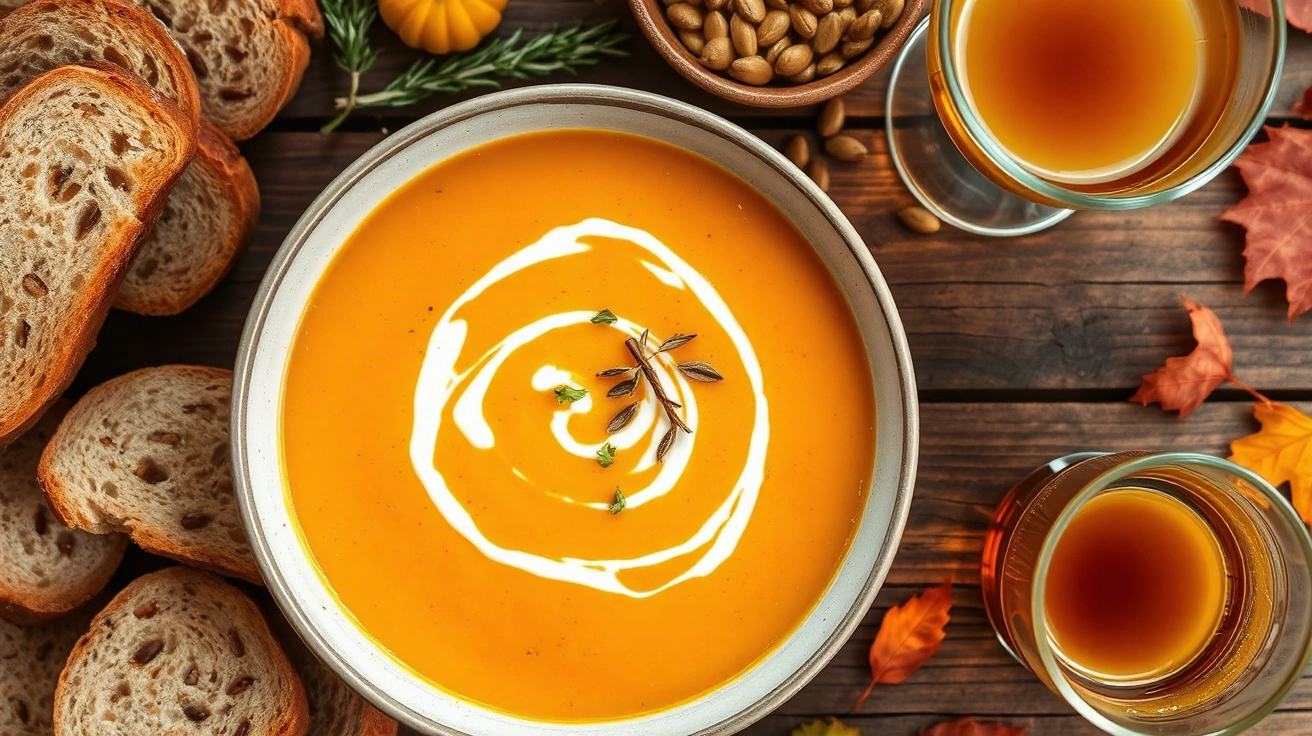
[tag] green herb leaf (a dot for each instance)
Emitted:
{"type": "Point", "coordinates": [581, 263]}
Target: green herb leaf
{"type": "Point", "coordinates": [605, 317]}
{"type": "Point", "coordinates": [348, 23]}
{"type": "Point", "coordinates": [606, 455]}
{"type": "Point", "coordinates": [570, 394]}
{"type": "Point", "coordinates": [620, 502]}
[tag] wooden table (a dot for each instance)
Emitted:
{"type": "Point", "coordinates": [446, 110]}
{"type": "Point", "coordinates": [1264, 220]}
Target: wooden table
{"type": "Point", "coordinates": [1025, 349]}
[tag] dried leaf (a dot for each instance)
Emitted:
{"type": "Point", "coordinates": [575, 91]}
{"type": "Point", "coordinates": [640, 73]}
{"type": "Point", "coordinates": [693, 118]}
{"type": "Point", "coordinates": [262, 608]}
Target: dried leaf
{"type": "Point", "coordinates": [699, 371]}
{"type": "Point", "coordinates": [624, 388]}
{"type": "Point", "coordinates": [1186, 381]}
{"type": "Point", "coordinates": [606, 455]}
{"type": "Point", "coordinates": [675, 341]}
{"type": "Point", "coordinates": [1281, 452]}
{"type": "Point", "coordinates": [612, 372]}
{"type": "Point", "coordinates": [666, 443]}
{"type": "Point", "coordinates": [1277, 213]}
{"type": "Point", "coordinates": [604, 317]}
{"type": "Point", "coordinates": [831, 727]}
{"type": "Point", "coordinates": [622, 419]}
{"type": "Point", "coordinates": [908, 636]}
{"type": "Point", "coordinates": [971, 727]}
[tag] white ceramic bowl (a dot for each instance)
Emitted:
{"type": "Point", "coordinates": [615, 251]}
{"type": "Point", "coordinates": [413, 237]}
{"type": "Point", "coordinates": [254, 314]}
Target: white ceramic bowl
{"type": "Point", "coordinates": [321, 231]}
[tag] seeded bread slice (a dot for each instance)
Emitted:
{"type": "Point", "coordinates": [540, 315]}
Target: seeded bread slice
{"type": "Point", "coordinates": [87, 156]}
{"type": "Point", "coordinates": [206, 223]}
{"type": "Point", "coordinates": [46, 569]}
{"type": "Point", "coordinates": [147, 454]}
{"type": "Point", "coordinates": [31, 658]}
{"type": "Point", "coordinates": [335, 709]}
{"type": "Point", "coordinates": [46, 34]}
{"type": "Point", "coordinates": [248, 55]}
{"type": "Point", "coordinates": [179, 651]}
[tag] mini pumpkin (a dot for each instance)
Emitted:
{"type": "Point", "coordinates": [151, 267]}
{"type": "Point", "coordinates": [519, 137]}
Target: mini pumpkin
{"type": "Point", "coordinates": [441, 26]}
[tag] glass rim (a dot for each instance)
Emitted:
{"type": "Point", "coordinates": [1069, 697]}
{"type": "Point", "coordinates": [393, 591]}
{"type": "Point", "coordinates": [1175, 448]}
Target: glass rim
{"type": "Point", "coordinates": [1096, 486]}
{"type": "Point", "coordinates": [979, 135]}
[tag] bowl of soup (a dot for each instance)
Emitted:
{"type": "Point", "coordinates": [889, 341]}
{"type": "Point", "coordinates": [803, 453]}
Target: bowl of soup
{"type": "Point", "coordinates": [574, 409]}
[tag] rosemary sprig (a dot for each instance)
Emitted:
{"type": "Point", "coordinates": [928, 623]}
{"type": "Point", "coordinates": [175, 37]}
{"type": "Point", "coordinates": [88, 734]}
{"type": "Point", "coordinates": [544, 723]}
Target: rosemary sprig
{"type": "Point", "coordinates": [348, 23]}
{"type": "Point", "coordinates": [555, 50]}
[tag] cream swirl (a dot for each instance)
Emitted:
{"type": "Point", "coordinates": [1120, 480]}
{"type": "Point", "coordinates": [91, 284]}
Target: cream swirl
{"type": "Point", "coordinates": [439, 382]}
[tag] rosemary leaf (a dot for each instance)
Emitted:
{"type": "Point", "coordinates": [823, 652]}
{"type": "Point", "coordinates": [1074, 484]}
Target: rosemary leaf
{"type": "Point", "coordinates": [620, 501]}
{"type": "Point", "coordinates": [348, 23]}
{"type": "Point", "coordinates": [605, 317]}
{"type": "Point", "coordinates": [606, 455]}
{"type": "Point", "coordinates": [570, 394]}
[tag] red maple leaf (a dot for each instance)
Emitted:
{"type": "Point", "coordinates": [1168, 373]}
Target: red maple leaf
{"type": "Point", "coordinates": [971, 727]}
{"type": "Point", "coordinates": [1299, 12]}
{"type": "Point", "coordinates": [1186, 381]}
{"type": "Point", "coordinates": [1277, 213]}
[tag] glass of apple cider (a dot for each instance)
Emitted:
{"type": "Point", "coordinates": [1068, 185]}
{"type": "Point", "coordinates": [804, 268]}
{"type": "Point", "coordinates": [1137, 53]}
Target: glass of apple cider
{"type": "Point", "coordinates": [1026, 109]}
{"type": "Point", "coordinates": [1159, 594]}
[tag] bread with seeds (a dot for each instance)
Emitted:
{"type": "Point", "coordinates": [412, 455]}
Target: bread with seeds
{"type": "Point", "coordinates": [179, 651]}
{"type": "Point", "coordinates": [31, 659]}
{"type": "Point", "coordinates": [147, 454]}
{"type": "Point", "coordinates": [46, 569]}
{"type": "Point", "coordinates": [89, 154]}
{"type": "Point", "coordinates": [248, 55]}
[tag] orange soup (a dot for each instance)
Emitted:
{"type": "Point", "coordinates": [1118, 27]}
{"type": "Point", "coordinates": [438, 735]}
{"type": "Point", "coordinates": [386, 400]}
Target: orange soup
{"type": "Point", "coordinates": [448, 441]}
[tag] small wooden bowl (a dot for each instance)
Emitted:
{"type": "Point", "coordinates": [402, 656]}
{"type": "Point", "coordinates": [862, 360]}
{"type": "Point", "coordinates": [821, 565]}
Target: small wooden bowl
{"type": "Point", "coordinates": [651, 18]}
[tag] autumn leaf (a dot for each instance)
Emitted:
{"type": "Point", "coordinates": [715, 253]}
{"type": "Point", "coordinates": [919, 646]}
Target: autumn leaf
{"type": "Point", "coordinates": [971, 727]}
{"type": "Point", "coordinates": [830, 727]}
{"type": "Point", "coordinates": [1277, 213]}
{"type": "Point", "coordinates": [908, 636]}
{"type": "Point", "coordinates": [1281, 452]}
{"type": "Point", "coordinates": [1186, 381]}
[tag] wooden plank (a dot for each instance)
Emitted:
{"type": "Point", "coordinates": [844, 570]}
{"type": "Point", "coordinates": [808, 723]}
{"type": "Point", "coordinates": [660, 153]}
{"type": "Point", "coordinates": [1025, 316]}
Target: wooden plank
{"type": "Point", "coordinates": [645, 70]}
{"type": "Point", "coordinates": [1090, 304]}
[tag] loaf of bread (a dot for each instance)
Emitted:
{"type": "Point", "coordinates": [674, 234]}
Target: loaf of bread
{"type": "Point", "coordinates": [147, 454]}
{"type": "Point", "coordinates": [90, 152]}
{"type": "Point", "coordinates": [31, 659]}
{"type": "Point", "coordinates": [248, 55]}
{"type": "Point", "coordinates": [46, 569]}
{"type": "Point", "coordinates": [206, 223]}
{"type": "Point", "coordinates": [179, 651]}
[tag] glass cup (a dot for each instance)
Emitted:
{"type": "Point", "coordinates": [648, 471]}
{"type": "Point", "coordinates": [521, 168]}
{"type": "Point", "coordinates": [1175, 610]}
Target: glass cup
{"type": "Point", "coordinates": [1264, 637]}
{"type": "Point", "coordinates": [952, 164]}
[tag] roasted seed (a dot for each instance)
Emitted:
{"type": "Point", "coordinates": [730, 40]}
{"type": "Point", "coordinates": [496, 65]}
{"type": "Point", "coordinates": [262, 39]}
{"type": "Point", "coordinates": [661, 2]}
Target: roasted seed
{"type": "Point", "coordinates": [753, 10]}
{"type": "Point", "coordinates": [150, 472]}
{"type": "Point", "coordinates": [694, 41]}
{"type": "Point", "coordinates": [806, 76]}
{"type": "Point", "coordinates": [195, 713]}
{"type": "Point", "coordinates": [793, 60]}
{"type": "Point", "coordinates": [752, 70]}
{"type": "Point", "coordinates": [777, 4]}
{"type": "Point", "coordinates": [774, 27]}
{"type": "Point", "coordinates": [828, 33]}
{"type": "Point", "coordinates": [798, 151]}
{"type": "Point", "coordinates": [890, 9]}
{"type": "Point", "coordinates": [865, 25]}
{"type": "Point", "coordinates": [772, 55]}
{"type": "Point", "coordinates": [715, 26]}
{"type": "Point", "coordinates": [832, 117]}
{"type": "Point", "coordinates": [33, 285]}
{"type": "Point", "coordinates": [830, 63]}
{"type": "Point", "coordinates": [848, 15]}
{"type": "Point", "coordinates": [819, 7]}
{"type": "Point", "coordinates": [853, 49]}
{"type": "Point", "coordinates": [819, 173]}
{"type": "Point", "coordinates": [919, 220]}
{"type": "Point", "coordinates": [718, 54]}
{"type": "Point", "coordinates": [716, 4]}
{"type": "Point", "coordinates": [192, 522]}
{"type": "Point", "coordinates": [240, 685]}
{"type": "Point", "coordinates": [846, 148]}
{"type": "Point", "coordinates": [235, 643]}
{"type": "Point", "coordinates": [685, 16]}
{"type": "Point", "coordinates": [90, 216]}
{"type": "Point", "coordinates": [743, 35]}
{"type": "Point", "coordinates": [146, 610]}
{"type": "Point", "coordinates": [148, 651]}
{"type": "Point", "coordinates": [804, 21]}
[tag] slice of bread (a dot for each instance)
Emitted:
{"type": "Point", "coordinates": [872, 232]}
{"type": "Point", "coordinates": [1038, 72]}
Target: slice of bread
{"type": "Point", "coordinates": [45, 34]}
{"type": "Point", "coordinates": [179, 651]}
{"type": "Point", "coordinates": [248, 55]}
{"type": "Point", "coordinates": [147, 454]}
{"type": "Point", "coordinates": [88, 155]}
{"type": "Point", "coordinates": [206, 223]}
{"type": "Point", "coordinates": [335, 709]}
{"type": "Point", "coordinates": [46, 569]}
{"type": "Point", "coordinates": [31, 659]}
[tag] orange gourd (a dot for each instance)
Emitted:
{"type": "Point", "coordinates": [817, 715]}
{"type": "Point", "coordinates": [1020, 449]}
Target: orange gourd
{"type": "Point", "coordinates": [441, 26]}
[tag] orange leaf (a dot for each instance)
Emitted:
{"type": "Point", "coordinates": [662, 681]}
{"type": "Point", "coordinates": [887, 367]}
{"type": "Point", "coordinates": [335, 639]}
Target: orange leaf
{"type": "Point", "coordinates": [1278, 214]}
{"type": "Point", "coordinates": [1185, 382]}
{"type": "Point", "coordinates": [908, 636]}
{"type": "Point", "coordinates": [1281, 452]}
{"type": "Point", "coordinates": [971, 727]}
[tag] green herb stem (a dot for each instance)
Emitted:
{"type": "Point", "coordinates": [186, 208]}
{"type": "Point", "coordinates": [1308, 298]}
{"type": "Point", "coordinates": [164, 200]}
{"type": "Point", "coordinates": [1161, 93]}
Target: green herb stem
{"type": "Point", "coordinates": [348, 23]}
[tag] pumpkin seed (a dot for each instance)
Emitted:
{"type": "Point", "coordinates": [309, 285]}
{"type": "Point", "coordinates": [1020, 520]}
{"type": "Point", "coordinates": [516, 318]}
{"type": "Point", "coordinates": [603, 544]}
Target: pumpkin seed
{"type": "Point", "coordinates": [919, 220]}
{"type": "Point", "coordinates": [752, 70]}
{"type": "Point", "coordinates": [793, 60]}
{"type": "Point", "coordinates": [846, 148]}
{"type": "Point", "coordinates": [832, 117]}
{"type": "Point", "coordinates": [743, 35]}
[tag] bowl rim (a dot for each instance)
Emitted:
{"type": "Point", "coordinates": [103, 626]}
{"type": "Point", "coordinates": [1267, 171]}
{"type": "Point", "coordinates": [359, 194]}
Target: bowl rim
{"type": "Point", "coordinates": [664, 39]}
{"type": "Point", "coordinates": [567, 94]}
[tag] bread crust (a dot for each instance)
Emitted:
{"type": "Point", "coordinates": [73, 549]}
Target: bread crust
{"type": "Point", "coordinates": [78, 335]}
{"type": "Point", "coordinates": [241, 193]}
{"type": "Point", "coordinates": [305, 15]}
{"type": "Point", "coordinates": [292, 720]}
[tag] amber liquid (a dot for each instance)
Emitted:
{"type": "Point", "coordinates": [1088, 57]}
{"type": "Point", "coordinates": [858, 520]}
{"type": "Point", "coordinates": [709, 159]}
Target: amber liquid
{"type": "Point", "coordinates": [1087, 92]}
{"type": "Point", "coordinates": [1136, 587]}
